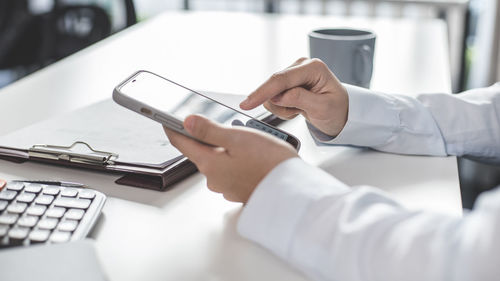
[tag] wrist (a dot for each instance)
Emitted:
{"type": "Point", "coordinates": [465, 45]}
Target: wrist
{"type": "Point", "coordinates": [335, 115]}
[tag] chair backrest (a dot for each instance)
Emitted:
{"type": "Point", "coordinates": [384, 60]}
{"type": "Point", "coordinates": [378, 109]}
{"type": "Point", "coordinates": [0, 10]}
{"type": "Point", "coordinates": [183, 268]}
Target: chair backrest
{"type": "Point", "coordinates": [68, 29]}
{"type": "Point", "coordinates": [33, 41]}
{"type": "Point", "coordinates": [15, 22]}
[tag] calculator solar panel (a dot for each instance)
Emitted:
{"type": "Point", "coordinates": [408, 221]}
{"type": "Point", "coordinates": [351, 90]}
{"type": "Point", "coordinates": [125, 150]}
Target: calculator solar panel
{"type": "Point", "coordinates": [32, 213]}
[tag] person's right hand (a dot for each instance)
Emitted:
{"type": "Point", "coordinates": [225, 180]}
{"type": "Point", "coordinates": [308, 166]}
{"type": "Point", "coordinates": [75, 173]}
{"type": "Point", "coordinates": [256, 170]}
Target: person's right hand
{"type": "Point", "coordinates": [309, 88]}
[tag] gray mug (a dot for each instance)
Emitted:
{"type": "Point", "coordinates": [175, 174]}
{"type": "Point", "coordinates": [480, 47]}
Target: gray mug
{"type": "Point", "coordinates": [347, 52]}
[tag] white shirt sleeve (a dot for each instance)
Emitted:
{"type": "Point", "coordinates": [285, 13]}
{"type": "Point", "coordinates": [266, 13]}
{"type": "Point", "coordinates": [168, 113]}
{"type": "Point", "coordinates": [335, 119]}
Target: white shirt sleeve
{"type": "Point", "coordinates": [430, 124]}
{"type": "Point", "coordinates": [332, 232]}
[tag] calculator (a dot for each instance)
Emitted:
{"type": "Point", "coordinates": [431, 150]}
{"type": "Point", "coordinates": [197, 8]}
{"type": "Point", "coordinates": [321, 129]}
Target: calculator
{"type": "Point", "coordinates": [33, 213]}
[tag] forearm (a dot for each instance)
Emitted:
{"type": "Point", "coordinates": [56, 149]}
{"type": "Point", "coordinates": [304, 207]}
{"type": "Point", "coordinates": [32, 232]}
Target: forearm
{"type": "Point", "coordinates": [430, 124]}
{"type": "Point", "coordinates": [331, 232]}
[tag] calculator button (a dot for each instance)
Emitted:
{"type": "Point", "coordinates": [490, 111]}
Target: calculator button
{"type": "Point", "coordinates": [3, 205]}
{"type": "Point", "coordinates": [39, 235]}
{"type": "Point", "coordinates": [47, 223]}
{"type": "Point", "coordinates": [69, 225]}
{"type": "Point", "coordinates": [3, 230]}
{"type": "Point", "coordinates": [27, 221]}
{"type": "Point", "coordinates": [55, 212]}
{"type": "Point", "coordinates": [51, 190]}
{"type": "Point", "coordinates": [60, 237]}
{"type": "Point", "coordinates": [16, 186]}
{"type": "Point", "coordinates": [17, 208]}
{"type": "Point", "coordinates": [18, 234]}
{"type": "Point", "coordinates": [72, 203]}
{"type": "Point", "coordinates": [44, 199]}
{"type": "Point", "coordinates": [26, 197]}
{"type": "Point", "coordinates": [74, 214]}
{"type": "Point", "coordinates": [33, 188]}
{"type": "Point", "coordinates": [87, 194]}
{"type": "Point", "coordinates": [36, 210]}
{"type": "Point", "coordinates": [8, 219]}
{"type": "Point", "coordinates": [7, 195]}
{"type": "Point", "coordinates": [69, 192]}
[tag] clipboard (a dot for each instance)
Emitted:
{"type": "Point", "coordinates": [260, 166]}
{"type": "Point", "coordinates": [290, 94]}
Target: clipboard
{"type": "Point", "coordinates": [83, 140]}
{"type": "Point", "coordinates": [151, 178]}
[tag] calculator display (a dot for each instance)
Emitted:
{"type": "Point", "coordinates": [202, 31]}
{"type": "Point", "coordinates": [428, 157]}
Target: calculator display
{"type": "Point", "coordinates": [180, 102]}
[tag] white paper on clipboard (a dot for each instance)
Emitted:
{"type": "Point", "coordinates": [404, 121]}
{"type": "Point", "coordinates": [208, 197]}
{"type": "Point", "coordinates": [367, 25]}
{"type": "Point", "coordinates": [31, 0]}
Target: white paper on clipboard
{"type": "Point", "coordinates": [106, 126]}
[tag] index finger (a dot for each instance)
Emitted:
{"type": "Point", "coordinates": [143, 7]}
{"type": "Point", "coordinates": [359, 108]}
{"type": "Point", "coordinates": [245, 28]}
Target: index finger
{"type": "Point", "coordinates": [279, 82]}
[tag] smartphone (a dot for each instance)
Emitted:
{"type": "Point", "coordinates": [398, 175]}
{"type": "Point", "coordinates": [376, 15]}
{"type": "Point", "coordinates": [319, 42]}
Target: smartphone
{"type": "Point", "coordinates": [169, 103]}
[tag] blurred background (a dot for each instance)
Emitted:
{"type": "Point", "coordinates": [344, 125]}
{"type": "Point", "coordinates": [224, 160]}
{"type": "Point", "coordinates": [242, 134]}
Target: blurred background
{"type": "Point", "coordinates": [35, 33]}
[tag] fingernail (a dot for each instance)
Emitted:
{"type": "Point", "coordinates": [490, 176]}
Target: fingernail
{"type": "Point", "coordinates": [189, 123]}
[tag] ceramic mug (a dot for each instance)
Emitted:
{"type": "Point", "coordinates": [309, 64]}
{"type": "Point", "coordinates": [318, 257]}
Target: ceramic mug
{"type": "Point", "coordinates": [347, 52]}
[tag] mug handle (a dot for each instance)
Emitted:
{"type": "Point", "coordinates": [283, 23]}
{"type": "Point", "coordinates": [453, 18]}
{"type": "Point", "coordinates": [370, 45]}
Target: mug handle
{"type": "Point", "coordinates": [363, 70]}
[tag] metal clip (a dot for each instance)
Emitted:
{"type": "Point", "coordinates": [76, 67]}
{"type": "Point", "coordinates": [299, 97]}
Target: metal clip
{"type": "Point", "coordinates": [65, 153]}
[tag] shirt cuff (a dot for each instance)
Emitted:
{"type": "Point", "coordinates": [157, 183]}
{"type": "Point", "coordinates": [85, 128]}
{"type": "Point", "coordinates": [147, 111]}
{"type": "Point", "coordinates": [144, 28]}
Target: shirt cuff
{"type": "Point", "coordinates": [372, 120]}
{"type": "Point", "coordinates": [277, 204]}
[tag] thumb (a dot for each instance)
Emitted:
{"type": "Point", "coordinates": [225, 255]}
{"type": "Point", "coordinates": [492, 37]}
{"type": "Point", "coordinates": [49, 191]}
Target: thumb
{"type": "Point", "coordinates": [207, 131]}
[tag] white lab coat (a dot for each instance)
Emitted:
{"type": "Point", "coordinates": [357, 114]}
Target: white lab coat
{"type": "Point", "coordinates": [334, 232]}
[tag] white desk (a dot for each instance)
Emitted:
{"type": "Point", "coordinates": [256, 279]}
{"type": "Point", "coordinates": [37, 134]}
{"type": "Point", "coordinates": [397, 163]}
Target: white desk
{"type": "Point", "coordinates": [188, 233]}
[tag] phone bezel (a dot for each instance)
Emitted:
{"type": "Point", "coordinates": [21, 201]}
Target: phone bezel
{"type": "Point", "coordinates": [171, 121]}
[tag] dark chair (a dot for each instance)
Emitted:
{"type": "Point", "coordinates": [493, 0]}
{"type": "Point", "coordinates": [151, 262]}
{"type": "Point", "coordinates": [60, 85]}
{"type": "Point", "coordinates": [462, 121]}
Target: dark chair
{"type": "Point", "coordinates": [476, 177]}
{"type": "Point", "coordinates": [68, 29]}
{"type": "Point", "coordinates": [29, 42]}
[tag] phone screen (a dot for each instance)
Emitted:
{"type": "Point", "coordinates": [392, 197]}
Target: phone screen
{"type": "Point", "coordinates": [180, 102]}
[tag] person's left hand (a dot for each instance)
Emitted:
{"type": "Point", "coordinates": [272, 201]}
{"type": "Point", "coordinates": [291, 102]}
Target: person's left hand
{"type": "Point", "coordinates": [238, 160]}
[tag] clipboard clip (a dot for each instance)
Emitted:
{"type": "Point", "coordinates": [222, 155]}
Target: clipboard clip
{"type": "Point", "coordinates": [68, 153]}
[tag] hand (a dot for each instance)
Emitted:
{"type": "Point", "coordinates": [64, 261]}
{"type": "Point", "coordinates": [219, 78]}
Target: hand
{"type": "Point", "coordinates": [238, 160]}
{"type": "Point", "coordinates": [309, 88]}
